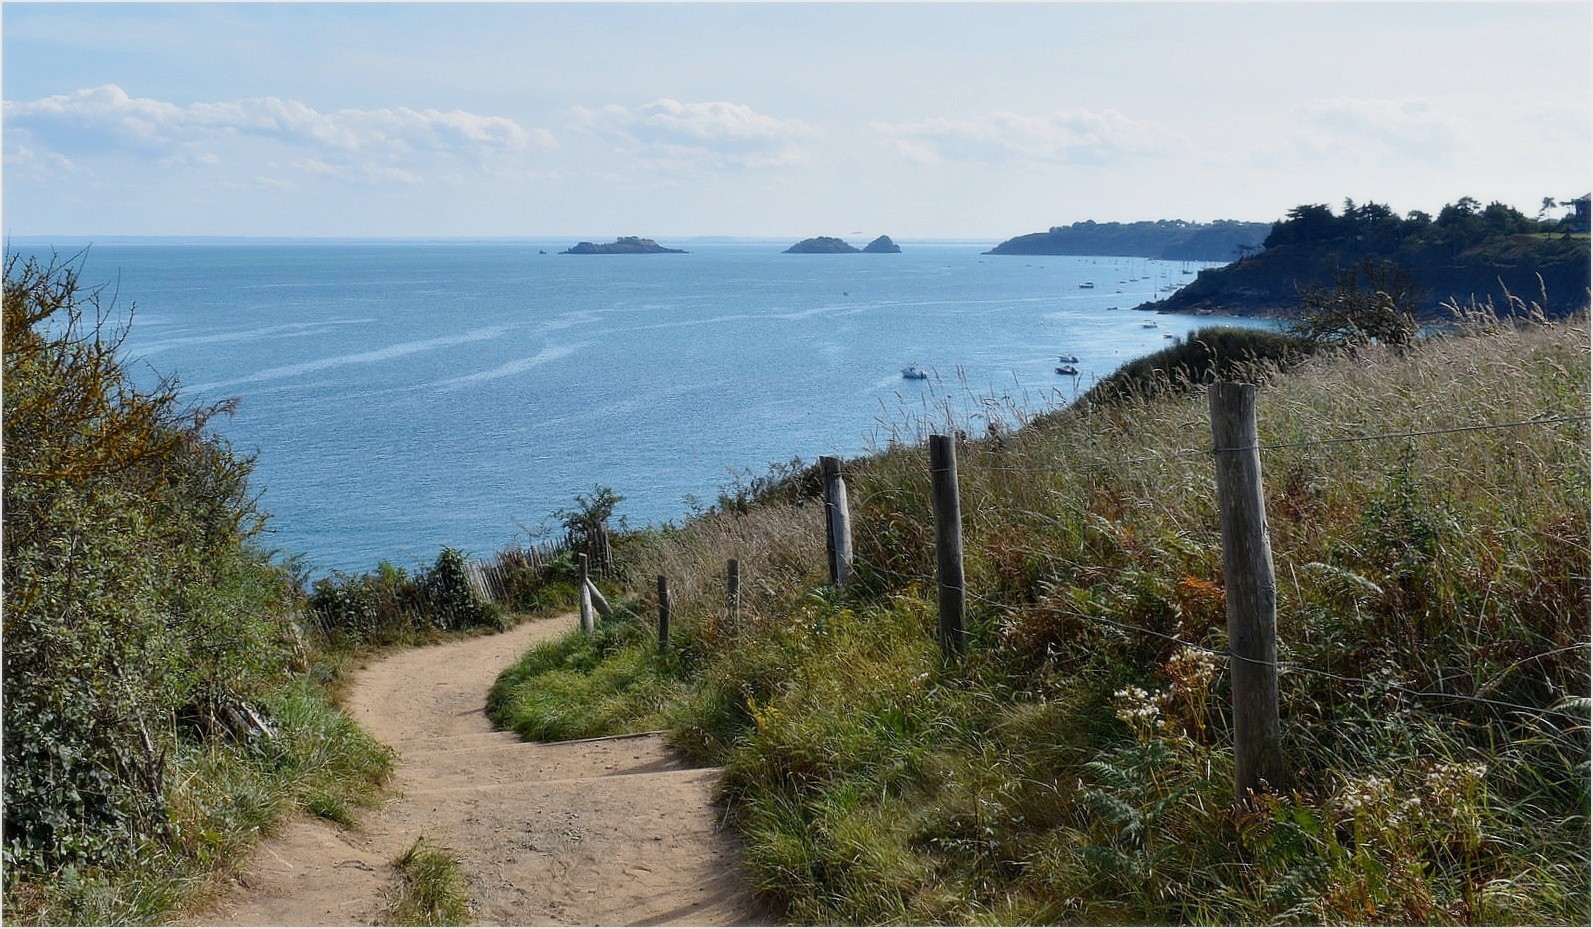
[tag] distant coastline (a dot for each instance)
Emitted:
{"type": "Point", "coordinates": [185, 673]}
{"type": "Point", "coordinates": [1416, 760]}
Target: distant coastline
{"type": "Point", "coordinates": [1166, 239]}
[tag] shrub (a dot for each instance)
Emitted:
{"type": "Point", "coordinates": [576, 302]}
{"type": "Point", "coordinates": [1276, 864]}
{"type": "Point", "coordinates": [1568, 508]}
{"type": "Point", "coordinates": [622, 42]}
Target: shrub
{"type": "Point", "coordinates": [452, 602]}
{"type": "Point", "coordinates": [132, 595]}
{"type": "Point", "coordinates": [390, 606]}
{"type": "Point", "coordinates": [1209, 354]}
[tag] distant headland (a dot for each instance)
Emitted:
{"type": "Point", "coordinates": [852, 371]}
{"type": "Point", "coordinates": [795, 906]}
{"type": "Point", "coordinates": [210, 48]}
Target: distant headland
{"type": "Point", "coordinates": [1167, 239]}
{"type": "Point", "coordinates": [624, 245]}
{"type": "Point", "coordinates": [829, 245]}
{"type": "Point", "coordinates": [1467, 252]}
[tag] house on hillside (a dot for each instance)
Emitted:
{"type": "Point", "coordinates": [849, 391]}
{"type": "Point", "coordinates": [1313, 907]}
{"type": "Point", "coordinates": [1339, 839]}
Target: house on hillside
{"type": "Point", "coordinates": [1578, 220]}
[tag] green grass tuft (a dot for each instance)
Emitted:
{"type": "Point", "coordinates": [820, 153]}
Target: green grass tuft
{"type": "Point", "coordinates": [431, 889]}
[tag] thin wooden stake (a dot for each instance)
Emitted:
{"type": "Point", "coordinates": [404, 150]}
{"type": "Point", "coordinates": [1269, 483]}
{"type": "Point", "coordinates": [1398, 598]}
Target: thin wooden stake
{"type": "Point", "coordinates": [663, 614]}
{"type": "Point", "coordinates": [948, 544]}
{"type": "Point", "coordinates": [837, 520]}
{"type": "Point", "coordinates": [1251, 587]}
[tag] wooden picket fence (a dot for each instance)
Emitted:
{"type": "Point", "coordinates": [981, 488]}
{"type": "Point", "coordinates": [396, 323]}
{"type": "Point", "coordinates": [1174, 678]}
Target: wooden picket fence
{"type": "Point", "coordinates": [489, 580]}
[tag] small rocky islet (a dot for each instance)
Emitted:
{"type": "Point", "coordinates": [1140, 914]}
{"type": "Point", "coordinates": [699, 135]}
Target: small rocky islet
{"type": "Point", "coordinates": [829, 245]}
{"type": "Point", "coordinates": [624, 245]}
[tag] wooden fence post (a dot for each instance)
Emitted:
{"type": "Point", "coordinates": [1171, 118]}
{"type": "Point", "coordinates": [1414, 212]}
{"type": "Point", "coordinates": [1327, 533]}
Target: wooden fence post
{"type": "Point", "coordinates": [598, 600]}
{"type": "Point", "coordinates": [585, 596]}
{"type": "Point", "coordinates": [733, 592]}
{"type": "Point", "coordinates": [663, 614]}
{"type": "Point", "coordinates": [837, 521]}
{"type": "Point", "coordinates": [1252, 592]}
{"type": "Point", "coordinates": [948, 543]}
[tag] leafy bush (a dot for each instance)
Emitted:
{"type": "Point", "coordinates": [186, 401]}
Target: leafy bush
{"type": "Point", "coordinates": [1209, 354]}
{"type": "Point", "coordinates": [131, 593]}
{"type": "Point", "coordinates": [390, 606]}
{"type": "Point", "coordinates": [152, 729]}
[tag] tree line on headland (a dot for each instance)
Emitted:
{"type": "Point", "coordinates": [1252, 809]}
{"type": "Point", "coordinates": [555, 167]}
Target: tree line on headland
{"type": "Point", "coordinates": [1166, 239]}
{"type": "Point", "coordinates": [1467, 251]}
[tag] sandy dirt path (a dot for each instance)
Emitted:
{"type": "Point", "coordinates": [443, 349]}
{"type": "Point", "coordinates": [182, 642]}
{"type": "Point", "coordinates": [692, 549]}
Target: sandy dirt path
{"type": "Point", "coordinates": [610, 832]}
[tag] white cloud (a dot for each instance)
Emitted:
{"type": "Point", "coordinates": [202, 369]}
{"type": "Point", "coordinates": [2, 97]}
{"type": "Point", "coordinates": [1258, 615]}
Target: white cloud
{"type": "Point", "coordinates": [729, 134]}
{"type": "Point", "coordinates": [1410, 130]}
{"type": "Point", "coordinates": [25, 161]}
{"type": "Point", "coordinates": [379, 143]}
{"type": "Point", "coordinates": [362, 172]}
{"type": "Point", "coordinates": [1070, 137]}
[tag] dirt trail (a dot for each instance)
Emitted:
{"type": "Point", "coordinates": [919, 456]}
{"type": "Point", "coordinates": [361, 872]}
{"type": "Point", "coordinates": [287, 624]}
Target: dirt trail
{"type": "Point", "coordinates": [610, 832]}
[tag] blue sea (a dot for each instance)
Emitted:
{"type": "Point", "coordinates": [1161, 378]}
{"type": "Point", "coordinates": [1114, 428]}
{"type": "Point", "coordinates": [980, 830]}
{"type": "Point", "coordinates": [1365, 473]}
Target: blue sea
{"type": "Point", "coordinates": [406, 395]}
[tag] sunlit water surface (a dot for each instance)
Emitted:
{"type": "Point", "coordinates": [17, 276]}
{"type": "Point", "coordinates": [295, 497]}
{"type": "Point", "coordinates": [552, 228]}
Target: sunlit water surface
{"type": "Point", "coordinates": [406, 395]}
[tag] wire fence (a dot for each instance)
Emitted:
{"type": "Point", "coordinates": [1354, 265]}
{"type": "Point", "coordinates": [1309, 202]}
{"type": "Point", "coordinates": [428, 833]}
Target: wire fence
{"type": "Point", "coordinates": [990, 514]}
{"type": "Point", "coordinates": [1278, 446]}
{"type": "Point", "coordinates": [987, 517]}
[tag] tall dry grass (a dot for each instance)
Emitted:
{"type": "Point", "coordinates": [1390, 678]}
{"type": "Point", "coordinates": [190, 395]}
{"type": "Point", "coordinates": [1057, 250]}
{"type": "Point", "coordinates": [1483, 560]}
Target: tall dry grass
{"type": "Point", "coordinates": [1432, 564]}
{"type": "Point", "coordinates": [780, 550]}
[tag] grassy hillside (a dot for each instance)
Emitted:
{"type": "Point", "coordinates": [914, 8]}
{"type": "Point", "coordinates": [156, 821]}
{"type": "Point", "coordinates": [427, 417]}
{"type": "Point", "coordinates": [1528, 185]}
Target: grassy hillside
{"type": "Point", "coordinates": [1076, 766]}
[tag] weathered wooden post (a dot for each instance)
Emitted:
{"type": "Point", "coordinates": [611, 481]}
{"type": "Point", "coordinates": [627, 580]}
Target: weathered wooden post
{"type": "Point", "coordinates": [585, 596]}
{"type": "Point", "coordinates": [663, 614]}
{"type": "Point", "coordinates": [948, 543]}
{"type": "Point", "coordinates": [837, 520]}
{"type": "Point", "coordinates": [733, 593]}
{"type": "Point", "coordinates": [1252, 592]}
{"type": "Point", "coordinates": [598, 600]}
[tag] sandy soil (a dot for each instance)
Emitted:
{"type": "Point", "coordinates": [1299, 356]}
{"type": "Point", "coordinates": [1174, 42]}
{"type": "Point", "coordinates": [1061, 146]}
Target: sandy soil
{"type": "Point", "coordinates": [610, 832]}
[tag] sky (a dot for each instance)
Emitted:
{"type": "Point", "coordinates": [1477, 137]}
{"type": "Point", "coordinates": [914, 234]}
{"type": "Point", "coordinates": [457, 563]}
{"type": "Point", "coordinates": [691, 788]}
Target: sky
{"type": "Point", "coordinates": [917, 120]}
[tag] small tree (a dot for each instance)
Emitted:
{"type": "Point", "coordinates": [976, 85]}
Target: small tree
{"type": "Point", "coordinates": [453, 604]}
{"type": "Point", "coordinates": [587, 524]}
{"type": "Point", "coordinates": [1374, 303]}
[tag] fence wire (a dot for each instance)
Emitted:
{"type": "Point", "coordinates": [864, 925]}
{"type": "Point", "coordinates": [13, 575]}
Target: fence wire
{"type": "Point", "coordinates": [1273, 446]}
{"type": "Point", "coordinates": [1281, 666]}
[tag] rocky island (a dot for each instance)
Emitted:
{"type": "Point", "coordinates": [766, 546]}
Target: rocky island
{"type": "Point", "coordinates": [624, 245]}
{"type": "Point", "coordinates": [822, 245]}
{"type": "Point", "coordinates": [829, 245]}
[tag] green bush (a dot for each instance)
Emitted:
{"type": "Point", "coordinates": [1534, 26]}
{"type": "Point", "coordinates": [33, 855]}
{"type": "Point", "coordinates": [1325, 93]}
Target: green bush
{"type": "Point", "coordinates": [390, 606]}
{"type": "Point", "coordinates": [132, 595]}
{"type": "Point", "coordinates": [452, 603]}
{"type": "Point", "coordinates": [1209, 354]}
